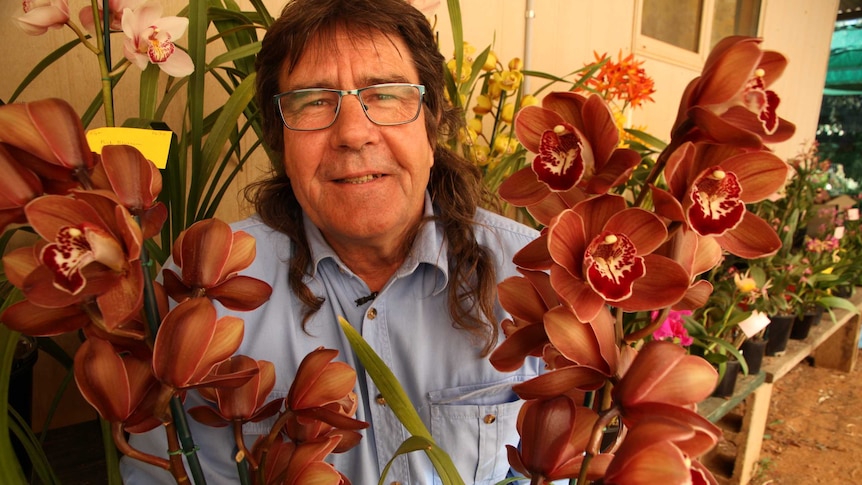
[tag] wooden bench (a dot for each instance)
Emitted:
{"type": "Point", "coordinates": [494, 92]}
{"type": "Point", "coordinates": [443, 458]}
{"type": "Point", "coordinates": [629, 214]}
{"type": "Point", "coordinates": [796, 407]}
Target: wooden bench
{"type": "Point", "coordinates": [831, 344]}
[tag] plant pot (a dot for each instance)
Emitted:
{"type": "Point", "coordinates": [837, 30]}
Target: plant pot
{"type": "Point", "coordinates": [843, 291]}
{"type": "Point", "coordinates": [778, 333]}
{"type": "Point", "coordinates": [802, 323]}
{"type": "Point", "coordinates": [753, 351]}
{"type": "Point", "coordinates": [727, 383]}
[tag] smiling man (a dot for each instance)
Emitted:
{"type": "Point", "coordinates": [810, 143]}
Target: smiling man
{"type": "Point", "coordinates": [369, 218]}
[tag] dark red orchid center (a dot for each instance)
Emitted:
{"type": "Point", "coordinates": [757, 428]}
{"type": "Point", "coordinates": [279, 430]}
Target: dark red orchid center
{"type": "Point", "coordinates": [66, 256]}
{"type": "Point", "coordinates": [76, 247]}
{"type": "Point", "coordinates": [559, 163]}
{"type": "Point", "coordinates": [612, 265]}
{"type": "Point", "coordinates": [717, 207]}
{"type": "Point", "coordinates": [762, 102]}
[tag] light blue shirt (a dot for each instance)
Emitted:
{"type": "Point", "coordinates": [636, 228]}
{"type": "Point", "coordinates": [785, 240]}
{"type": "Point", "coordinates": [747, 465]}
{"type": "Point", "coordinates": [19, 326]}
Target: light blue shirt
{"type": "Point", "coordinates": [467, 405]}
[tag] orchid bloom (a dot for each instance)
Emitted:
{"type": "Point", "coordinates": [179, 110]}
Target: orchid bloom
{"type": "Point", "coordinates": [210, 254]}
{"type": "Point", "coordinates": [239, 404]}
{"type": "Point", "coordinates": [600, 252]}
{"type": "Point", "coordinates": [659, 451]}
{"type": "Point", "coordinates": [191, 341]}
{"type": "Point", "coordinates": [290, 463]}
{"type": "Point", "coordinates": [115, 7]}
{"type": "Point", "coordinates": [115, 385]}
{"type": "Point", "coordinates": [18, 186]}
{"type": "Point", "coordinates": [50, 132]}
{"type": "Point", "coordinates": [41, 15]}
{"type": "Point", "coordinates": [730, 102]}
{"type": "Point", "coordinates": [554, 435]}
{"type": "Point", "coordinates": [527, 298]}
{"type": "Point", "coordinates": [321, 400]}
{"type": "Point", "coordinates": [664, 373]}
{"type": "Point", "coordinates": [150, 39]}
{"type": "Point", "coordinates": [575, 141]}
{"type": "Point", "coordinates": [92, 251]}
{"type": "Point", "coordinates": [709, 186]}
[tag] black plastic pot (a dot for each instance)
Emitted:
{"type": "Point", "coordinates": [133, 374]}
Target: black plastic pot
{"type": "Point", "coordinates": [727, 383]}
{"type": "Point", "coordinates": [778, 333]}
{"type": "Point", "coordinates": [753, 351]}
{"type": "Point", "coordinates": [803, 323]}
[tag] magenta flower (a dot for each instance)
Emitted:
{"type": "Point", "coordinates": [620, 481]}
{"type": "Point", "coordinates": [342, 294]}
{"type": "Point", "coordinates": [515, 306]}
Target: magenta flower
{"type": "Point", "coordinates": [41, 15]}
{"type": "Point", "coordinates": [150, 39]}
{"type": "Point", "coordinates": [673, 328]}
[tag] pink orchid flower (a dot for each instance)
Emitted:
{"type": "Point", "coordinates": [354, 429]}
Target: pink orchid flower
{"type": "Point", "coordinates": [709, 186]}
{"type": "Point", "coordinates": [115, 7]}
{"type": "Point", "coordinates": [41, 15]}
{"type": "Point", "coordinates": [150, 39]}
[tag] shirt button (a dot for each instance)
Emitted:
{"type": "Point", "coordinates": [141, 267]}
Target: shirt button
{"type": "Point", "coordinates": [489, 418]}
{"type": "Point", "coordinates": [371, 314]}
{"type": "Point", "coordinates": [379, 399]}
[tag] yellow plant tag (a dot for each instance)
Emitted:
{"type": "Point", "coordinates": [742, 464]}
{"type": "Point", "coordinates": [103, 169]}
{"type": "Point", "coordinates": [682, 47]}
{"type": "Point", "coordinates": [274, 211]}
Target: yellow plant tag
{"type": "Point", "coordinates": [154, 144]}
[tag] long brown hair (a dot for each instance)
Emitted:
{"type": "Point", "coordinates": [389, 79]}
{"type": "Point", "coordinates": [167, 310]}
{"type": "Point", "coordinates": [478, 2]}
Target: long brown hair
{"type": "Point", "coordinates": [455, 184]}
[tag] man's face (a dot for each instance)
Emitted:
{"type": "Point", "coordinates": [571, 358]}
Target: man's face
{"type": "Point", "coordinates": [362, 184]}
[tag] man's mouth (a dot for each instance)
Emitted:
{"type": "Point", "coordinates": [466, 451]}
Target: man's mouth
{"type": "Point", "coordinates": [360, 180]}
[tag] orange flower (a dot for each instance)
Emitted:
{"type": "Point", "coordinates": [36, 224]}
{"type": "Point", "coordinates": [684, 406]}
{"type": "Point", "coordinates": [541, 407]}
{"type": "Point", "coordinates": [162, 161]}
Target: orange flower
{"type": "Point", "coordinates": [244, 403]}
{"type": "Point", "coordinates": [210, 255]}
{"type": "Point", "coordinates": [115, 385]}
{"type": "Point", "coordinates": [554, 435]}
{"type": "Point", "coordinates": [289, 463]}
{"type": "Point", "coordinates": [191, 341]}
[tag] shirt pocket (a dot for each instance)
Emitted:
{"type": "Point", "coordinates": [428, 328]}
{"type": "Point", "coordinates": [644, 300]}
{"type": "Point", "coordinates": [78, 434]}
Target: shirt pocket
{"type": "Point", "coordinates": [473, 424]}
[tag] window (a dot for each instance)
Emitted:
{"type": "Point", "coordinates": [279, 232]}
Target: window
{"type": "Point", "coordinates": [683, 31]}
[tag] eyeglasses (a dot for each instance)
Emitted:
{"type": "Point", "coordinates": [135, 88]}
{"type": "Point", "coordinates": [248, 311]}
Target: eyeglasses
{"type": "Point", "coordinates": [317, 108]}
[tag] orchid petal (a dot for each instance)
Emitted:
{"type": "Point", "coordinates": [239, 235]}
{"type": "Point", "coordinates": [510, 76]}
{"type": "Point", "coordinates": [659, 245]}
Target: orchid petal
{"type": "Point", "coordinates": [30, 319]}
{"type": "Point", "coordinates": [135, 179]}
{"type": "Point", "coordinates": [560, 381]}
{"type": "Point", "coordinates": [752, 238]}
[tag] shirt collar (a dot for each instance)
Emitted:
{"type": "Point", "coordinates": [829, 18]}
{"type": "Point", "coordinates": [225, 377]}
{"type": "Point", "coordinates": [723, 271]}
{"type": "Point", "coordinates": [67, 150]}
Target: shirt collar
{"type": "Point", "coordinates": [428, 248]}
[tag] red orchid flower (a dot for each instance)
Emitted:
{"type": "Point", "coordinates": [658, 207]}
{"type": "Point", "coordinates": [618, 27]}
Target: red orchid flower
{"type": "Point", "coordinates": [321, 400]}
{"type": "Point", "coordinates": [709, 186]}
{"type": "Point", "coordinates": [115, 385]}
{"type": "Point", "coordinates": [575, 141]}
{"type": "Point", "coordinates": [244, 403]}
{"type": "Point", "coordinates": [92, 252]}
{"type": "Point", "coordinates": [192, 341]}
{"type": "Point", "coordinates": [289, 463]}
{"type": "Point", "coordinates": [554, 435]}
{"type": "Point", "coordinates": [658, 451]}
{"type": "Point", "coordinates": [600, 253]}
{"type": "Point", "coordinates": [730, 102]}
{"type": "Point", "coordinates": [210, 254]}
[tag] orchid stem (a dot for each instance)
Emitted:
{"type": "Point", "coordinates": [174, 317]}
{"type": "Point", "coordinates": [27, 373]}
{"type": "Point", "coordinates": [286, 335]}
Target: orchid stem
{"type": "Point", "coordinates": [104, 68]}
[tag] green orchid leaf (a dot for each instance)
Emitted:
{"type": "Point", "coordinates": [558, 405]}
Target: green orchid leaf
{"type": "Point", "coordinates": [650, 140]}
{"type": "Point", "coordinates": [398, 401]}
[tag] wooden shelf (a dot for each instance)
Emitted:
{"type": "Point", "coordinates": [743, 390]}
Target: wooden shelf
{"type": "Point", "coordinates": [832, 344]}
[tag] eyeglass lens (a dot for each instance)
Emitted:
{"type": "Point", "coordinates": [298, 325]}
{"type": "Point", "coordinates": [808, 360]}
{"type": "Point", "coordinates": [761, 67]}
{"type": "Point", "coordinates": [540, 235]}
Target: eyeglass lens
{"type": "Point", "coordinates": [314, 109]}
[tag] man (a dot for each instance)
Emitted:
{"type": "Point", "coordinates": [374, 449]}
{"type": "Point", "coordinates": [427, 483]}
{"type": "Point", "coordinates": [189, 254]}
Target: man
{"type": "Point", "coordinates": [373, 220]}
